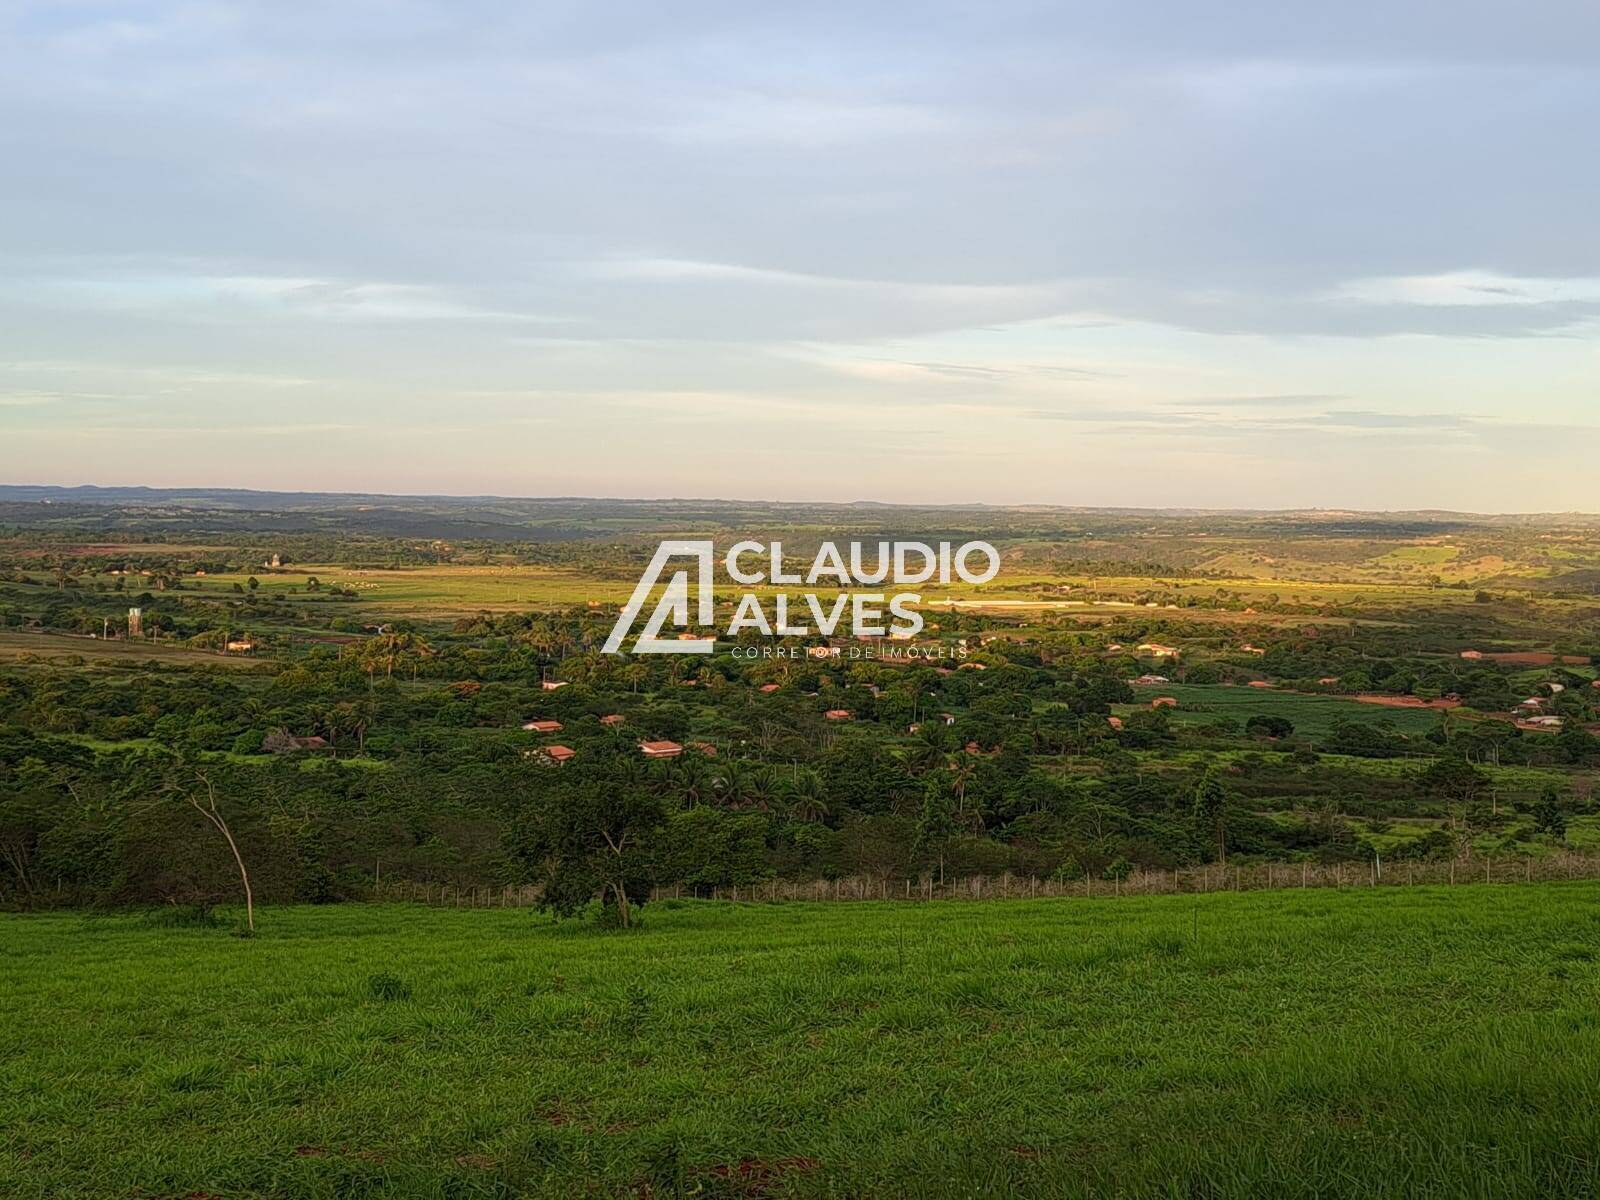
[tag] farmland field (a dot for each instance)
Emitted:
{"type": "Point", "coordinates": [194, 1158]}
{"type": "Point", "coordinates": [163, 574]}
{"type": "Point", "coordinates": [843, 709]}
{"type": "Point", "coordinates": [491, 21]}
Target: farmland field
{"type": "Point", "coordinates": [1310, 714]}
{"type": "Point", "coordinates": [1428, 1041]}
{"type": "Point", "coordinates": [50, 646]}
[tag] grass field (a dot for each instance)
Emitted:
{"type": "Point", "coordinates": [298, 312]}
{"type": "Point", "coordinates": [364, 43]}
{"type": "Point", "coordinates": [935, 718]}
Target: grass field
{"type": "Point", "coordinates": [1418, 1041]}
{"type": "Point", "coordinates": [1312, 715]}
{"type": "Point", "coordinates": [56, 646]}
{"type": "Point", "coordinates": [459, 588]}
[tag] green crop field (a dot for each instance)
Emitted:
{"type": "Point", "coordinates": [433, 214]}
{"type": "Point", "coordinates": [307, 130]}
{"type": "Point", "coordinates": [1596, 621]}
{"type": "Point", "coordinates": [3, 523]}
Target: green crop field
{"type": "Point", "coordinates": [1419, 1041]}
{"type": "Point", "coordinates": [1315, 715]}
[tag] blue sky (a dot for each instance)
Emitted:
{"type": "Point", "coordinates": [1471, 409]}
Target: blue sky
{"type": "Point", "coordinates": [1255, 254]}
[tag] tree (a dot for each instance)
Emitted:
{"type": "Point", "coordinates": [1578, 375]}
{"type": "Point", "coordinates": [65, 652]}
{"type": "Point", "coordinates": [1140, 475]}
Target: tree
{"type": "Point", "coordinates": [1210, 809]}
{"type": "Point", "coordinates": [589, 838]}
{"type": "Point", "coordinates": [1263, 725]}
{"type": "Point", "coordinates": [937, 823]}
{"type": "Point", "coordinates": [1460, 783]}
{"type": "Point", "coordinates": [203, 799]}
{"type": "Point", "coordinates": [1548, 815]}
{"type": "Point", "coordinates": [804, 794]}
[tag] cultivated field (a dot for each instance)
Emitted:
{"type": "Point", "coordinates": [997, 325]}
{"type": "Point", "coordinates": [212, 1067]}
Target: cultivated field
{"type": "Point", "coordinates": [1420, 1041]}
{"type": "Point", "coordinates": [58, 646]}
{"type": "Point", "coordinates": [1200, 703]}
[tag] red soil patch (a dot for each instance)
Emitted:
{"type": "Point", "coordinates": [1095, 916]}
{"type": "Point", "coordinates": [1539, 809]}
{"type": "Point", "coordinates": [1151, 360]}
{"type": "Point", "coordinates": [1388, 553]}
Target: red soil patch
{"type": "Point", "coordinates": [1535, 658]}
{"type": "Point", "coordinates": [753, 1177]}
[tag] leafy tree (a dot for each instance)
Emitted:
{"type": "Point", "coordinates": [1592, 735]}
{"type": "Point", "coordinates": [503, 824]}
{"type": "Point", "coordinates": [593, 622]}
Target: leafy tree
{"type": "Point", "coordinates": [1548, 815]}
{"type": "Point", "coordinates": [937, 823]}
{"type": "Point", "coordinates": [1460, 783]}
{"type": "Point", "coordinates": [1263, 725]}
{"type": "Point", "coordinates": [1209, 806]}
{"type": "Point", "coordinates": [590, 838]}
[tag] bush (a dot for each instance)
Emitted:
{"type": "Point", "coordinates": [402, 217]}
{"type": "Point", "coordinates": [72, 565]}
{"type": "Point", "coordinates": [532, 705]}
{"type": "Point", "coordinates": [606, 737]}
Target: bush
{"type": "Point", "coordinates": [386, 987]}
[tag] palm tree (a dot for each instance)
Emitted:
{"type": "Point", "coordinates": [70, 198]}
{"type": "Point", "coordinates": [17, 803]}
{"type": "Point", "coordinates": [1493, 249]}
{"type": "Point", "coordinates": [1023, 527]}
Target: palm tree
{"type": "Point", "coordinates": [806, 796]}
{"type": "Point", "coordinates": [694, 779]}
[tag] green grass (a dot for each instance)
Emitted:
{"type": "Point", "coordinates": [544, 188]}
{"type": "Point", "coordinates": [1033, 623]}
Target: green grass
{"type": "Point", "coordinates": [1312, 715]}
{"type": "Point", "coordinates": [1420, 1041]}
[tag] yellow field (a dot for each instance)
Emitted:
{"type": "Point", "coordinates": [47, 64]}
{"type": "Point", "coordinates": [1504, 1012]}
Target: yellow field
{"type": "Point", "coordinates": [440, 592]}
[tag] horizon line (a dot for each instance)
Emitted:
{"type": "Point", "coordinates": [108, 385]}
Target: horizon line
{"type": "Point", "coordinates": [962, 505]}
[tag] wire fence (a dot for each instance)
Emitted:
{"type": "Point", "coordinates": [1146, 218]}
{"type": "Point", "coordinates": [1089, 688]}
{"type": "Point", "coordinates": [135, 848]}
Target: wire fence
{"type": "Point", "coordinates": [1190, 880]}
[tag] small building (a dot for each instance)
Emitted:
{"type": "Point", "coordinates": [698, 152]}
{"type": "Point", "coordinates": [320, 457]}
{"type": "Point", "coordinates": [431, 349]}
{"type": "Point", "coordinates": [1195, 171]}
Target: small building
{"type": "Point", "coordinates": [1472, 655]}
{"type": "Point", "coordinates": [972, 666]}
{"type": "Point", "coordinates": [241, 646]}
{"type": "Point", "coordinates": [661, 749]}
{"type": "Point", "coordinates": [551, 685]}
{"type": "Point", "coordinates": [769, 688]}
{"type": "Point", "coordinates": [1259, 683]}
{"type": "Point", "coordinates": [1247, 648]}
{"type": "Point", "coordinates": [557, 756]}
{"type": "Point", "coordinates": [1157, 650]}
{"type": "Point", "coordinates": [612, 720]}
{"type": "Point", "coordinates": [542, 726]}
{"type": "Point", "coordinates": [1532, 703]}
{"type": "Point", "coordinates": [1114, 722]}
{"type": "Point", "coordinates": [948, 718]}
{"type": "Point", "coordinates": [1164, 702]}
{"type": "Point", "coordinates": [1328, 680]}
{"type": "Point", "coordinates": [1150, 680]}
{"type": "Point", "coordinates": [838, 714]}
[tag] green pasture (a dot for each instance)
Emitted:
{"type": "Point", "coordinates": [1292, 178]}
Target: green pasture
{"type": "Point", "coordinates": [1419, 1041]}
{"type": "Point", "coordinates": [1312, 715]}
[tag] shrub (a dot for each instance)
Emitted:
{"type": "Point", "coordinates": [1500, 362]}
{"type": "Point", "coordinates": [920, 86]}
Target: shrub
{"type": "Point", "coordinates": [386, 987]}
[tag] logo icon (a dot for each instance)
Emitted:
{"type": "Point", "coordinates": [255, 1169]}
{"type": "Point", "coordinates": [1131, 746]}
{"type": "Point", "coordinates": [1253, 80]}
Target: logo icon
{"type": "Point", "coordinates": [673, 604]}
{"type": "Point", "coordinates": [877, 613]}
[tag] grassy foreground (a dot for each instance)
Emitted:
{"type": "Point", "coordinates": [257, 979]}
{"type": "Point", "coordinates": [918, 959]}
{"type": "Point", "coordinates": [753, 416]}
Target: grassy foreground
{"type": "Point", "coordinates": [1380, 1042]}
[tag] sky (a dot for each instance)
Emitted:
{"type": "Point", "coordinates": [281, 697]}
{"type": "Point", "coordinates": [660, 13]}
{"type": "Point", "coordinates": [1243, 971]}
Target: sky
{"type": "Point", "coordinates": [1265, 254]}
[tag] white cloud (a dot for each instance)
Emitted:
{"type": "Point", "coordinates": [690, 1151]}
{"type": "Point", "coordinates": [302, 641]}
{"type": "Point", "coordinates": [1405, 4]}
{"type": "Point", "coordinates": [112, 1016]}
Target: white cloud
{"type": "Point", "coordinates": [1468, 288]}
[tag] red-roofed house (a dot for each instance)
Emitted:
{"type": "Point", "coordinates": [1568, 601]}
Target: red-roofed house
{"type": "Point", "coordinates": [542, 726]}
{"type": "Point", "coordinates": [837, 714]}
{"type": "Point", "coordinates": [660, 749]}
